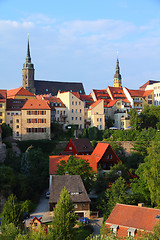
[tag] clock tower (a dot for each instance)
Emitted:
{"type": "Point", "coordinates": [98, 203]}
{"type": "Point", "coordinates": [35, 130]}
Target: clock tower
{"type": "Point", "coordinates": [28, 72]}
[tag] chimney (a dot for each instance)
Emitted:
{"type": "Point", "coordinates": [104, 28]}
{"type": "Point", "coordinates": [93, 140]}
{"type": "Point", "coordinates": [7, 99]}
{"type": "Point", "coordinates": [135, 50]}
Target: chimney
{"type": "Point", "coordinates": [140, 204]}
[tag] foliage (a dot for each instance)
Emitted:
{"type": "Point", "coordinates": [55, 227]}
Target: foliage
{"type": "Point", "coordinates": [109, 122]}
{"type": "Point", "coordinates": [7, 143]}
{"type": "Point", "coordinates": [150, 173]}
{"type": "Point", "coordinates": [134, 119]}
{"type": "Point", "coordinates": [26, 206]}
{"type": "Point", "coordinates": [6, 130]}
{"type": "Point", "coordinates": [116, 171]}
{"type": "Point", "coordinates": [47, 146]}
{"type": "Point", "coordinates": [94, 143]}
{"type": "Point", "coordinates": [83, 232]}
{"type": "Point", "coordinates": [12, 212]}
{"type": "Point", "coordinates": [118, 193]}
{"type": "Point", "coordinates": [64, 217]}
{"type": "Point", "coordinates": [10, 231]}
{"type": "Point", "coordinates": [75, 166]}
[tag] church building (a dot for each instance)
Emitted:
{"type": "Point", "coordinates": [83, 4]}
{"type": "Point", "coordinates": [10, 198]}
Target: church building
{"type": "Point", "coordinates": [45, 87]}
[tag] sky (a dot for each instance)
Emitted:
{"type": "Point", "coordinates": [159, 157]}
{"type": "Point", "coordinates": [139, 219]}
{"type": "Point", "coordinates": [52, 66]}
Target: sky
{"type": "Point", "coordinates": [77, 41]}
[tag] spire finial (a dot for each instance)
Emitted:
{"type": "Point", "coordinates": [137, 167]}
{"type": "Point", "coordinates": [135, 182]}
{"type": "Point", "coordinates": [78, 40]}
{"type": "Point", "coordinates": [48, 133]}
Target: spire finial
{"type": "Point", "coordinates": [28, 58]}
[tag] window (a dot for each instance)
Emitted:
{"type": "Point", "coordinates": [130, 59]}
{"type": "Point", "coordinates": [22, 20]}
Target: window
{"type": "Point", "coordinates": [57, 111]}
{"type": "Point", "coordinates": [35, 120]}
{"type": "Point", "coordinates": [97, 119]}
{"type": "Point", "coordinates": [75, 206]}
{"type": "Point", "coordinates": [75, 118]}
{"type": "Point", "coordinates": [110, 156]}
{"type": "Point", "coordinates": [70, 148]}
{"type": "Point", "coordinates": [17, 134]}
{"type": "Point", "coordinates": [80, 110]}
{"type": "Point", "coordinates": [100, 119]}
{"type": "Point", "coordinates": [114, 229]}
{"type": "Point", "coordinates": [100, 126]}
{"type": "Point", "coordinates": [8, 113]}
{"type": "Point", "coordinates": [72, 118]}
{"type": "Point", "coordinates": [0, 113]}
{"type": "Point", "coordinates": [72, 110]}
{"type": "Point", "coordinates": [131, 232]}
{"type": "Point", "coordinates": [17, 120]}
{"type": "Point", "coordinates": [76, 103]}
{"type": "Point", "coordinates": [107, 157]}
{"type": "Point", "coordinates": [0, 120]}
{"type": "Point", "coordinates": [17, 126]}
{"type": "Point", "coordinates": [75, 110]}
{"type": "Point", "coordinates": [79, 103]}
{"type": "Point", "coordinates": [72, 102]}
{"type": "Point", "coordinates": [0, 105]}
{"type": "Point", "coordinates": [80, 118]}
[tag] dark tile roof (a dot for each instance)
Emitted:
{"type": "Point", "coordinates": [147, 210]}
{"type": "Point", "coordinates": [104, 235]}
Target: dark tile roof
{"type": "Point", "coordinates": [43, 87]}
{"type": "Point", "coordinates": [15, 104]}
{"type": "Point", "coordinates": [73, 184]}
{"type": "Point", "coordinates": [82, 144]}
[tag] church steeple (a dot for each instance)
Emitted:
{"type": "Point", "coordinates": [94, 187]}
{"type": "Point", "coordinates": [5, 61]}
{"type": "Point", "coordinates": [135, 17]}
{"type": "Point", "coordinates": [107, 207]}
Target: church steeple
{"type": "Point", "coordinates": [117, 75]}
{"type": "Point", "coordinates": [28, 58]}
{"type": "Point", "coordinates": [28, 72]}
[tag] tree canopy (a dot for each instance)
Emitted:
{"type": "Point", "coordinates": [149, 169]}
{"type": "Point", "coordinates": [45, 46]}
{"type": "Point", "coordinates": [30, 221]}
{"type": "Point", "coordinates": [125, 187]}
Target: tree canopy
{"type": "Point", "coordinates": [64, 217]}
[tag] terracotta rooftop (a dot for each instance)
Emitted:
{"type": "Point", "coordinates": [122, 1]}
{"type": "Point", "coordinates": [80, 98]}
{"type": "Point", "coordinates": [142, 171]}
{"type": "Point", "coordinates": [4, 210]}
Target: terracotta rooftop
{"type": "Point", "coordinates": [95, 104]}
{"type": "Point", "coordinates": [36, 104]}
{"type": "Point", "coordinates": [55, 160]}
{"type": "Point", "coordinates": [111, 103]}
{"type": "Point", "coordinates": [100, 150]}
{"type": "Point", "coordinates": [101, 94]}
{"type": "Point", "coordinates": [52, 101]}
{"type": "Point", "coordinates": [141, 218]}
{"type": "Point", "coordinates": [139, 93]}
{"type": "Point", "coordinates": [3, 95]}
{"type": "Point", "coordinates": [116, 92]}
{"type": "Point", "coordinates": [18, 92]}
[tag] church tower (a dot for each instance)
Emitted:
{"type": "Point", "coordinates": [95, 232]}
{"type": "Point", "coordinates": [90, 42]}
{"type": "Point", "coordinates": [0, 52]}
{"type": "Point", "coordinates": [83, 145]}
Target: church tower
{"type": "Point", "coordinates": [28, 72]}
{"type": "Point", "coordinates": [117, 75]}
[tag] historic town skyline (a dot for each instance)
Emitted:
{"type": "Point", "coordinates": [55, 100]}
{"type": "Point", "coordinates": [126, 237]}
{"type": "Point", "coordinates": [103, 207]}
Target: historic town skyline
{"type": "Point", "coordinates": [78, 41]}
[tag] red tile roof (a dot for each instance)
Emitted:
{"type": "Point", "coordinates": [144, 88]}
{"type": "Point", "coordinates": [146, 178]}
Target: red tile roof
{"type": "Point", "coordinates": [74, 93]}
{"type": "Point", "coordinates": [116, 92]}
{"type": "Point", "coordinates": [3, 95]}
{"type": "Point", "coordinates": [139, 93]}
{"type": "Point", "coordinates": [18, 92]}
{"type": "Point", "coordinates": [141, 218]}
{"type": "Point", "coordinates": [36, 104]}
{"type": "Point", "coordinates": [100, 150]}
{"type": "Point", "coordinates": [95, 104]}
{"type": "Point", "coordinates": [50, 99]}
{"type": "Point", "coordinates": [101, 94]}
{"type": "Point", "coordinates": [111, 103]}
{"type": "Point", "coordinates": [54, 160]}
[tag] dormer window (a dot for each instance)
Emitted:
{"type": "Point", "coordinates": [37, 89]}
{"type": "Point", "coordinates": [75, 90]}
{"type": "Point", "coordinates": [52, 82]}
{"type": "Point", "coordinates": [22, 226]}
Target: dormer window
{"type": "Point", "coordinates": [131, 232]}
{"type": "Point", "coordinates": [114, 228]}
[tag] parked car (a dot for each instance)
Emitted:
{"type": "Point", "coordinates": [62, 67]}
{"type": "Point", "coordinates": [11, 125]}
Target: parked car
{"type": "Point", "coordinates": [84, 220]}
{"type": "Point", "coordinates": [47, 194]}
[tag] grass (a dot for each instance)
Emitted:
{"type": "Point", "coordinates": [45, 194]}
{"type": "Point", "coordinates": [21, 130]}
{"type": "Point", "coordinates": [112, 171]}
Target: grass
{"type": "Point", "coordinates": [83, 232]}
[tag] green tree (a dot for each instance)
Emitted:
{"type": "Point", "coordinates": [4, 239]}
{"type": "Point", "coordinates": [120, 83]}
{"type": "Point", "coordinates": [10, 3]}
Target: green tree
{"type": "Point", "coordinates": [6, 130]}
{"type": "Point", "coordinates": [109, 122]}
{"type": "Point", "coordinates": [134, 119]}
{"type": "Point", "coordinates": [10, 231]}
{"type": "Point", "coordinates": [75, 166]}
{"type": "Point", "coordinates": [118, 193]}
{"type": "Point", "coordinates": [151, 173]}
{"type": "Point", "coordinates": [12, 212]}
{"type": "Point", "coordinates": [64, 217]}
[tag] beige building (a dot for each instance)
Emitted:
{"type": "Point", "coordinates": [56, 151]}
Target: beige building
{"type": "Point", "coordinates": [156, 91]}
{"type": "Point", "coordinates": [3, 96]}
{"type": "Point", "coordinates": [96, 115]}
{"type": "Point", "coordinates": [34, 121]}
{"type": "Point", "coordinates": [74, 108]}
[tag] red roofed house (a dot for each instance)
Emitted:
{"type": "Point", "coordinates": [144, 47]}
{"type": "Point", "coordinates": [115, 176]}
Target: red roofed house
{"type": "Point", "coordinates": [34, 121]}
{"type": "Point", "coordinates": [139, 98]}
{"type": "Point", "coordinates": [78, 146]}
{"type": "Point", "coordinates": [20, 93]}
{"type": "Point", "coordinates": [103, 155]}
{"type": "Point", "coordinates": [128, 220]}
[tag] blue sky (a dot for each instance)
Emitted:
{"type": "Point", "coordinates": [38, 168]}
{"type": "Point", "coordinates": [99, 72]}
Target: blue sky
{"type": "Point", "coordinates": [78, 41]}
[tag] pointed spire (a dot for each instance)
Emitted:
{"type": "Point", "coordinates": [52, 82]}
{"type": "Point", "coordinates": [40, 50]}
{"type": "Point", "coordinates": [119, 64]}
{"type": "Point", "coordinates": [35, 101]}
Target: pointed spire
{"type": "Point", "coordinates": [117, 75]}
{"type": "Point", "coordinates": [28, 58]}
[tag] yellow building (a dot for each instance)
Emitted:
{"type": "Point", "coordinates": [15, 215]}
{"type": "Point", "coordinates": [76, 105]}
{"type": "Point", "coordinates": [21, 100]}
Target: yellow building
{"type": "Point", "coordinates": [3, 96]}
{"type": "Point", "coordinates": [34, 121]}
{"type": "Point", "coordinates": [96, 115]}
{"type": "Point", "coordinates": [74, 108]}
